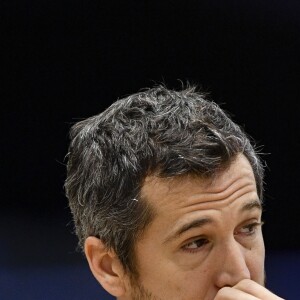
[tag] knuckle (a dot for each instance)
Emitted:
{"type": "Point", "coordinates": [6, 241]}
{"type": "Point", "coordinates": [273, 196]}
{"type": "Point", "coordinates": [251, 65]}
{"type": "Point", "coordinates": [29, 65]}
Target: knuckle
{"type": "Point", "coordinates": [223, 293]}
{"type": "Point", "coordinates": [245, 283]}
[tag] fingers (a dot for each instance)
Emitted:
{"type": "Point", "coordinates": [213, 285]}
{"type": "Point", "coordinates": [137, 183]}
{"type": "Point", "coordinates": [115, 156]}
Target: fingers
{"type": "Point", "coordinates": [246, 290]}
{"type": "Point", "coordinates": [250, 287]}
{"type": "Point", "coordinates": [228, 293]}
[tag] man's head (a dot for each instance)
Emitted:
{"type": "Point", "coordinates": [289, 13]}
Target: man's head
{"type": "Point", "coordinates": [147, 166]}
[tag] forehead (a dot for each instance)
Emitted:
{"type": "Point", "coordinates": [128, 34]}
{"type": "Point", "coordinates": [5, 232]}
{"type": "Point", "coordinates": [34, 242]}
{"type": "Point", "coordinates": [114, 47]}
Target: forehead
{"type": "Point", "coordinates": [187, 191]}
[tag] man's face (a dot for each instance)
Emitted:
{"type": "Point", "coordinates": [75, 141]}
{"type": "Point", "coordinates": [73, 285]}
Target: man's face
{"type": "Point", "coordinates": [206, 235]}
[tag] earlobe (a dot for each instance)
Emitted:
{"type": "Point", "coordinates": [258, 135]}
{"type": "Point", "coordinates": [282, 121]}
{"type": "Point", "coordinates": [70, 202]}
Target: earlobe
{"type": "Point", "coordinates": [105, 266]}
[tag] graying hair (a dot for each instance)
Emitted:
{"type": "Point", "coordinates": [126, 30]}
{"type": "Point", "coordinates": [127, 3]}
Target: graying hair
{"type": "Point", "coordinates": [157, 131]}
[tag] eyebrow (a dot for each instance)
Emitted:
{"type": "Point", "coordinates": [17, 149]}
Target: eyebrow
{"type": "Point", "coordinates": [194, 224]}
{"type": "Point", "coordinates": [198, 223]}
{"type": "Point", "coordinates": [253, 204]}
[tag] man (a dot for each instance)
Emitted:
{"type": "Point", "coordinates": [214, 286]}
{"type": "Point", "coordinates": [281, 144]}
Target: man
{"type": "Point", "coordinates": [166, 194]}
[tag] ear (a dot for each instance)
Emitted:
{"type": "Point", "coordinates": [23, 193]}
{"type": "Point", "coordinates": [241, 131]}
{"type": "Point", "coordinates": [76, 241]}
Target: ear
{"type": "Point", "coordinates": [105, 266]}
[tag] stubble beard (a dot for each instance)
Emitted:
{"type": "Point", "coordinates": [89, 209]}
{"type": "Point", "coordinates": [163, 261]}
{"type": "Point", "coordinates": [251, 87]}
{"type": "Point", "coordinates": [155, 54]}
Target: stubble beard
{"type": "Point", "coordinates": [141, 293]}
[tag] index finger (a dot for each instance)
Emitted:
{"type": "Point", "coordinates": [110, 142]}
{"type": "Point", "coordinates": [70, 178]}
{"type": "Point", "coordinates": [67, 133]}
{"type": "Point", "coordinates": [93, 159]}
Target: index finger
{"type": "Point", "coordinates": [255, 289]}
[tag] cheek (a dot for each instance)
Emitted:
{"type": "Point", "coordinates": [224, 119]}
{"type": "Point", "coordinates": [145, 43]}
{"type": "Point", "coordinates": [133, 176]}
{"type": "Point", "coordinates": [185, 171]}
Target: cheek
{"type": "Point", "coordinates": [255, 261]}
{"type": "Point", "coordinates": [167, 280]}
{"type": "Point", "coordinates": [195, 284]}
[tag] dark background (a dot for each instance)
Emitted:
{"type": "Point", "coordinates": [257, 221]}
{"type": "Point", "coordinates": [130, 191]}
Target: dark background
{"type": "Point", "coordinates": [66, 60]}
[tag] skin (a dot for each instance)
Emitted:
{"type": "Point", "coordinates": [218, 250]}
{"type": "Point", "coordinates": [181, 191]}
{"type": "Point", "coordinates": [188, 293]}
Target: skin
{"type": "Point", "coordinates": [204, 243]}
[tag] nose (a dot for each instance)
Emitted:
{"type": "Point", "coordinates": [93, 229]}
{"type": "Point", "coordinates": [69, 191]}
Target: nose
{"type": "Point", "coordinates": [232, 265]}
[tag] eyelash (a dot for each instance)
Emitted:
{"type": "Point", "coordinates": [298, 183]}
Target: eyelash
{"type": "Point", "coordinates": [205, 241]}
{"type": "Point", "coordinates": [252, 226]}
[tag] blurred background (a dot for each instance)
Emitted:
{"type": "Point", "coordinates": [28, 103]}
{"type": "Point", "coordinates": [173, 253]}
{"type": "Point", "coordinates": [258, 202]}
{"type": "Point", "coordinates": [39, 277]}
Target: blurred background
{"type": "Point", "coordinates": [63, 61]}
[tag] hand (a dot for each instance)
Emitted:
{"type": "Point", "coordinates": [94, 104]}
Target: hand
{"type": "Point", "coordinates": [246, 290]}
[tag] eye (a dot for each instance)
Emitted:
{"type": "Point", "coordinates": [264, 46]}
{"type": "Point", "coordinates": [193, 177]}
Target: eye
{"type": "Point", "coordinates": [249, 229]}
{"type": "Point", "coordinates": [195, 245]}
